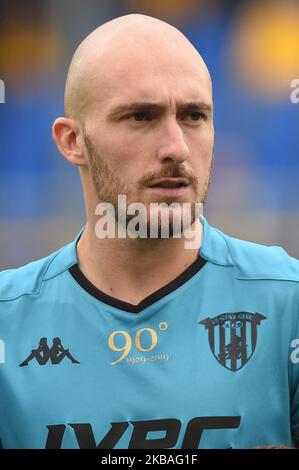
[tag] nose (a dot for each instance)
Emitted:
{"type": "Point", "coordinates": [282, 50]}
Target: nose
{"type": "Point", "coordinates": [173, 147]}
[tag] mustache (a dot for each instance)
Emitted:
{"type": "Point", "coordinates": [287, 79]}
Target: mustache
{"type": "Point", "coordinates": [168, 172]}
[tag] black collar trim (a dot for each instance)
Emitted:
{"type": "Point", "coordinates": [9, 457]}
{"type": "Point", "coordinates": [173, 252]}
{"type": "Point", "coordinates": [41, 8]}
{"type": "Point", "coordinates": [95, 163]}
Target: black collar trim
{"type": "Point", "coordinates": [194, 268]}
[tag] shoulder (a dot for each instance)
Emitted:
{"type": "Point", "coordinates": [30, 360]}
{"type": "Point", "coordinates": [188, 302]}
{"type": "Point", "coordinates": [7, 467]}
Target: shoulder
{"type": "Point", "coordinates": [28, 279]}
{"type": "Point", "coordinates": [249, 260]}
{"type": "Point", "coordinates": [256, 261]}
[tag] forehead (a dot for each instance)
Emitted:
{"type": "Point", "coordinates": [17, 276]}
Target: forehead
{"type": "Point", "coordinates": [161, 76]}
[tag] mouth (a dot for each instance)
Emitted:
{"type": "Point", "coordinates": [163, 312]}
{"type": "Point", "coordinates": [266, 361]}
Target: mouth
{"type": "Point", "coordinates": [170, 187]}
{"type": "Point", "coordinates": [170, 183]}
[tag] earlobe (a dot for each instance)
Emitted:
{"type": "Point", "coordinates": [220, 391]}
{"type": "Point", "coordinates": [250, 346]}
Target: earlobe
{"type": "Point", "coordinates": [67, 136]}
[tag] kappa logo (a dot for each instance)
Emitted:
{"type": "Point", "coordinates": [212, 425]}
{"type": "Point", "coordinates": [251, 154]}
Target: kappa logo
{"type": "Point", "coordinates": [43, 353]}
{"type": "Point", "coordinates": [233, 337]}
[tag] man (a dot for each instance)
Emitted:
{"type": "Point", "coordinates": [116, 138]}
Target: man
{"type": "Point", "coordinates": [172, 346]}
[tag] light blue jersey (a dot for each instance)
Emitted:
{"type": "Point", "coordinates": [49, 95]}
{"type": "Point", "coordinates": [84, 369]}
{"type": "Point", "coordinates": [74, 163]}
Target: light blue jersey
{"type": "Point", "coordinates": [211, 360]}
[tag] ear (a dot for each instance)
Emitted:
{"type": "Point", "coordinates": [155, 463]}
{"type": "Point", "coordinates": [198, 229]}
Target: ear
{"type": "Point", "coordinates": [68, 138]}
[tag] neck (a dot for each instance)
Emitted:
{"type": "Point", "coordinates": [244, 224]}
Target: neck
{"type": "Point", "coordinates": [131, 269]}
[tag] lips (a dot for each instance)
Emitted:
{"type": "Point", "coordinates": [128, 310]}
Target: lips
{"type": "Point", "coordinates": [170, 183]}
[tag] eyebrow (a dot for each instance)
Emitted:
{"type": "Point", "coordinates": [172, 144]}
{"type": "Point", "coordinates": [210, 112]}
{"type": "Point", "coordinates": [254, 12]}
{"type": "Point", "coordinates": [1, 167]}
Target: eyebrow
{"type": "Point", "coordinates": [149, 106]}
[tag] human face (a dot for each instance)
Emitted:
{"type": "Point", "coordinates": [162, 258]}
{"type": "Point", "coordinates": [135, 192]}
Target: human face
{"type": "Point", "coordinates": [151, 137]}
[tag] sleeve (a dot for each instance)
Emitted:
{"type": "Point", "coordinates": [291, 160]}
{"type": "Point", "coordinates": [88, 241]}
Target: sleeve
{"type": "Point", "coordinates": [294, 380]}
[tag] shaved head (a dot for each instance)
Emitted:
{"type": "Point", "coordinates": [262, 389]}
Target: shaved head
{"type": "Point", "coordinates": [121, 48]}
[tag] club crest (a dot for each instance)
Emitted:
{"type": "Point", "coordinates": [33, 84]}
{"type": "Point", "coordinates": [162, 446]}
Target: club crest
{"type": "Point", "coordinates": [233, 337]}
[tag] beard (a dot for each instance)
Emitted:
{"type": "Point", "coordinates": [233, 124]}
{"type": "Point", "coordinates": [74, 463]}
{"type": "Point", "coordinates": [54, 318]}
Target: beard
{"type": "Point", "coordinates": [108, 186]}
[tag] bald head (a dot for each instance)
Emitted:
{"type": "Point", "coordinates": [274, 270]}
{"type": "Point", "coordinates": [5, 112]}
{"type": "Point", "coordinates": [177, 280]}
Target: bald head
{"type": "Point", "coordinates": [118, 51]}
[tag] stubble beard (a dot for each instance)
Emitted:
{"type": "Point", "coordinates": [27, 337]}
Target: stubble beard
{"type": "Point", "coordinates": [108, 187]}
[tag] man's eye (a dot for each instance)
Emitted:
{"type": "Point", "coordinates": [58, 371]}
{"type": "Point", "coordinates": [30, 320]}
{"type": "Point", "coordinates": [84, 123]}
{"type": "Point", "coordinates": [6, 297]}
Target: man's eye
{"type": "Point", "coordinates": [196, 116]}
{"type": "Point", "coordinates": [139, 116]}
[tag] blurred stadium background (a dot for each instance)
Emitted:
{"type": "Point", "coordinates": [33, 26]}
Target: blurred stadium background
{"type": "Point", "coordinates": [252, 50]}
